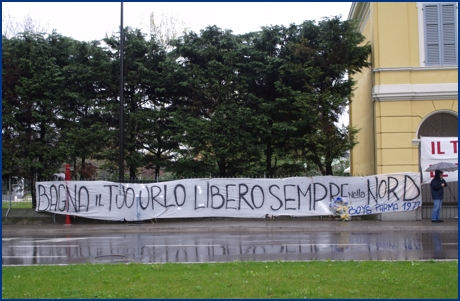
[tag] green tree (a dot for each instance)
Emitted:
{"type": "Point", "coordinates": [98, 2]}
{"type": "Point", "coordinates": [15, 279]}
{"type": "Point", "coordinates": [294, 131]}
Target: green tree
{"type": "Point", "coordinates": [83, 127]}
{"type": "Point", "coordinates": [318, 72]}
{"type": "Point", "coordinates": [31, 91]}
{"type": "Point", "coordinates": [142, 89]}
{"type": "Point", "coordinates": [218, 103]}
{"type": "Point", "coordinates": [279, 117]}
{"type": "Point", "coordinates": [215, 121]}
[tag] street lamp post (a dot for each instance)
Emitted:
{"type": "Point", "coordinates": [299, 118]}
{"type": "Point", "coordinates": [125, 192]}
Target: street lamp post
{"type": "Point", "coordinates": [121, 127]}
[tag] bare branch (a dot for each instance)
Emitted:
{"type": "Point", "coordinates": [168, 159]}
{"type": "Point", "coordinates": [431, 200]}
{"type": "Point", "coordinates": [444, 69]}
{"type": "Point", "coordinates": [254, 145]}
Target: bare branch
{"type": "Point", "coordinates": [11, 27]}
{"type": "Point", "coordinates": [167, 27]}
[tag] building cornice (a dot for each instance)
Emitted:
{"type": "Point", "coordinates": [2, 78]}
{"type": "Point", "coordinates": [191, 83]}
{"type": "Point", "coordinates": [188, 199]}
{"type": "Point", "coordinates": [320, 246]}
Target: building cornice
{"type": "Point", "coordinates": [359, 11]}
{"type": "Point", "coordinates": [401, 92]}
{"type": "Point", "coordinates": [430, 68]}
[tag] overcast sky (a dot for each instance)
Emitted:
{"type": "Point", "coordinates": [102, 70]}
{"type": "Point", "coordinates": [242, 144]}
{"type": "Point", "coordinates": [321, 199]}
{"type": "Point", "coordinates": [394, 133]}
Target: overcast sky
{"type": "Point", "coordinates": [87, 21]}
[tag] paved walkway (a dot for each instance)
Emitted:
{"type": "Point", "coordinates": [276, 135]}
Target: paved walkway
{"type": "Point", "coordinates": [235, 225]}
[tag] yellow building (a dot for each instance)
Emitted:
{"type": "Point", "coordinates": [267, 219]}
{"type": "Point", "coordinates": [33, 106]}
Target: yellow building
{"type": "Point", "coordinates": [411, 90]}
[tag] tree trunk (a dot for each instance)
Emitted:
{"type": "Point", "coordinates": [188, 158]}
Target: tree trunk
{"type": "Point", "coordinates": [269, 154]}
{"type": "Point", "coordinates": [222, 168]}
{"type": "Point", "coordinates": [82, 167]}
{"type": "Point", "coordinates": [157, 172]}
{"type": "Point", "coordinates": [132, 173]}
{"type": "Point", "coordinates": [329, 169]}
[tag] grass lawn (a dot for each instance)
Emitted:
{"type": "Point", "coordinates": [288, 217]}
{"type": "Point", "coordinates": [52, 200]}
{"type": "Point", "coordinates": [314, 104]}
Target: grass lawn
{"type": "Point", "coordinates": [293, 280]}
{"type": "Point", "coordinates": [26, 202]}
{"type": "Point", "coordinates": [17, 205]}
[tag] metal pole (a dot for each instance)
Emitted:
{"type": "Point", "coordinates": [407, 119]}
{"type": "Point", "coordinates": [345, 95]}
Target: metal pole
{"type": "Point", "coordinates": [9, 206]}
{"type": "Point", "coordinates": [67, 178]}
{"type": "Point", "coordinates": [11, 192]}
{"type": "Point", "coordinates": [121, 128]}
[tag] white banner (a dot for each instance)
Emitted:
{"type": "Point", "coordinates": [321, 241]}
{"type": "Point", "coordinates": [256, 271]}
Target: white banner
{"type": "Point", "coordinates": [248, 198]}
{"type": "Point", "coordinates": [438, 149]}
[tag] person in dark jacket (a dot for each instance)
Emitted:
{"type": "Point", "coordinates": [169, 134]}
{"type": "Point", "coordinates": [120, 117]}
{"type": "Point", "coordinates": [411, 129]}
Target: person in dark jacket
{"type": "Point", "coordinates": [437, 194]}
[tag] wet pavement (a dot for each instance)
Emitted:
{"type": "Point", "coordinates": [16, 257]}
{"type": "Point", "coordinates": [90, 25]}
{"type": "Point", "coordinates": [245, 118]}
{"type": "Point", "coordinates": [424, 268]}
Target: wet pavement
{"type": "Point", "coordinates": [234, 225]}
{"type": "Point", "coordinates": [220, 241]}
{"type": "Point", "coordinates": [213, 247]}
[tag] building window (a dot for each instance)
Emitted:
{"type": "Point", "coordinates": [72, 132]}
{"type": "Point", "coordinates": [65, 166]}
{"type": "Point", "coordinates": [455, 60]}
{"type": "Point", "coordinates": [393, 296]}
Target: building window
{"type": "Point", "coordinates": [440, 27]}
{"type": "Point", "coordinates": [439, 124]}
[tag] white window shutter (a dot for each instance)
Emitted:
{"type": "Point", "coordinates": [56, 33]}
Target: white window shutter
{"type": "Point", "coordinates": [448, 34]}
{"type": "Point", "coordinates": [440, 34]}
{"type": "Point", "coordinates": [432, 34]}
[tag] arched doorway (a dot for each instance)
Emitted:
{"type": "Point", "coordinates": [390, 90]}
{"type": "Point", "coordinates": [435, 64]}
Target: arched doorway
{"type": "Point", "coordinates": [440, 124]}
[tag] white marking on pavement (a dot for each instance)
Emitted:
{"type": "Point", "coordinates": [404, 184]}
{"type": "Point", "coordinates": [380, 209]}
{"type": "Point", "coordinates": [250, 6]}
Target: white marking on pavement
{"type": "Point", "coordinates": [54, 240]}
{"type": "Point", "coordinates": [33, 256]}
{"type": "Point", "coordinates": [65, 239]}
{"type": "Point", "coordinates": [45, 246]}
{"type": "Point", "coordinates": [450, 243]}
{"type": "Point", "coordinates": [263, 244]}
{"type": "Point", "coordinates": [325, 245]}
{"type": "Point", "coordinates": [183, 245]}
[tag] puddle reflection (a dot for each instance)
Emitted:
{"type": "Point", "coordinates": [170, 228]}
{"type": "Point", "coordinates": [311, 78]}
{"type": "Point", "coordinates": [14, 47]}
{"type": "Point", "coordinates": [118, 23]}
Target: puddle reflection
{"type": "Point", "coordinates": [208, 247]}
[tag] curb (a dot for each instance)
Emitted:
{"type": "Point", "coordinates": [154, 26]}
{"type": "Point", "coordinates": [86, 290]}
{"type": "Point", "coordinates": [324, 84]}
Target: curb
{"type": "Point", "coordinates": [240, 226]}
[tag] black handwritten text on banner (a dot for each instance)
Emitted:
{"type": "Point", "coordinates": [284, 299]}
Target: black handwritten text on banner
{"type": "Point", "coordinates": [250, 198]}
